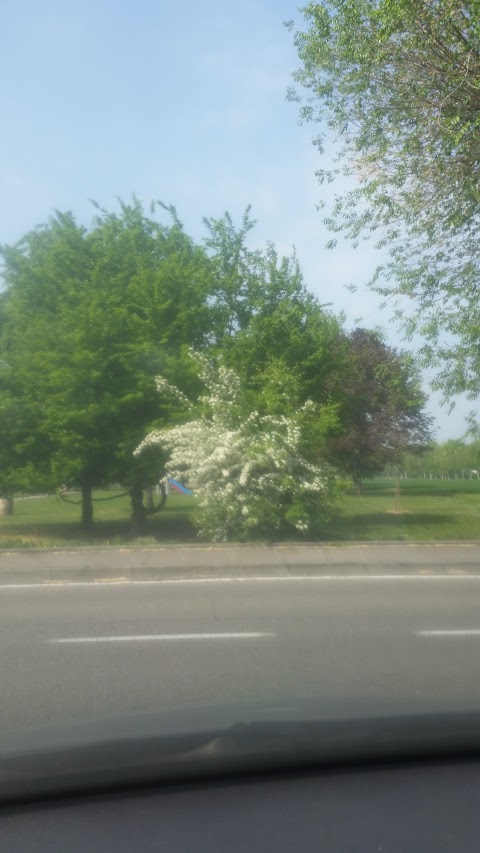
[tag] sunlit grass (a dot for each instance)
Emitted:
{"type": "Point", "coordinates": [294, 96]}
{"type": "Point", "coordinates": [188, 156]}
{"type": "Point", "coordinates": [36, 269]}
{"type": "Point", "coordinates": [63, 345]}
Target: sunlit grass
{"type": "Point", "coordinates": [430, 510]}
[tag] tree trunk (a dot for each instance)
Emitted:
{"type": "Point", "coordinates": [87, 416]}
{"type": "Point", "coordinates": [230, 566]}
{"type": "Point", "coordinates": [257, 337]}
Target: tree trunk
{"type": "Point", "coordinates": [357, 482]}
{"type": "Point", "coordinates": [150, 508]}
{"type": "Point", "coordinates": [6, 506]}
{"type": "Point", "coordinates": [163, 492]}
{"type": "Point", "coordinates": [397, 493]}
{"type": "Point", "coordinates": [149, 498]}
{"type": "Point", "coordinates": [87, 507]}
{"type": "Point", "coordinates": [138, 510]}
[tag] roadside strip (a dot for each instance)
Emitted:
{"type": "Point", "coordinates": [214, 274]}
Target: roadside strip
{"type": "Point", "coordinates": [222, 563]}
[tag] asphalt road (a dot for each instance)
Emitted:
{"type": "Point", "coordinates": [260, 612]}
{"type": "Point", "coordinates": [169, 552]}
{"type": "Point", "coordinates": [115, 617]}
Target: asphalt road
{"type": "Point", "coordinates": [82, 651]}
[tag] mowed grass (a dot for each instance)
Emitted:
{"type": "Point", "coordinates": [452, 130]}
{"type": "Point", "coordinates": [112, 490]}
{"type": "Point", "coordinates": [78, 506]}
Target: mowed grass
{"type": "Point", "coordinates": [52, 522]}
{"type": "Point", "coordinates": [430, 510]}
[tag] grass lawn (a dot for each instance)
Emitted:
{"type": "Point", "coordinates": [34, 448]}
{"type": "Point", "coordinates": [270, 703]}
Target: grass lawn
{"type": "Point", "coordinates": [429, 510]}
{"type": "Point", "coordinates": [51, 522]}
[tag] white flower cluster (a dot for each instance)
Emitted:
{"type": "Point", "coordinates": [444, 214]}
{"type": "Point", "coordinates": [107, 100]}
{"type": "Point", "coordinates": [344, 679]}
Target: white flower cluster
{"type": "Point", "coordinates": [249, 473]}
{"type": "Point", "coordinates": [164, 387]}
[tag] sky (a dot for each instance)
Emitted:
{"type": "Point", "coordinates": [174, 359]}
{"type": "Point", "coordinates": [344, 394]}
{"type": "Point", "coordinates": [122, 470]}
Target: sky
{"type": "Point", "coordinates": [183, 102]}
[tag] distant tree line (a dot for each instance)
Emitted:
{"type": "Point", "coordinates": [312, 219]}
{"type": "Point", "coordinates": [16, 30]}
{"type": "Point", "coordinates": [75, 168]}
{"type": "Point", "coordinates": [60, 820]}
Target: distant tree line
{"type": "Point", "coordinates": [453, 459]}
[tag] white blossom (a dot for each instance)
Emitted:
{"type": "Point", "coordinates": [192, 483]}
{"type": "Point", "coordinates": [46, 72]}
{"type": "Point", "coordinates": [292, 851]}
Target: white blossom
{"type": "Point", "coordinates": [249, 473]}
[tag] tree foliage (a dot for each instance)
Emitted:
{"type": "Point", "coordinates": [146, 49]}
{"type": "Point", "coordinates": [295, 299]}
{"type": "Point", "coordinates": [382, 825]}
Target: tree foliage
{"type": "Point", "coordinates": [248, 285]}
{"type": "Point", "coordinates": [381, 415]}
{"type": "Point", "coordinates": [89, 317]}
{"type": "Point", "coordinates": [285, 347]}
{"type": "Point", "coordinates": [297, 338]}
{"type": "Point", "coordinates": [395, 87]}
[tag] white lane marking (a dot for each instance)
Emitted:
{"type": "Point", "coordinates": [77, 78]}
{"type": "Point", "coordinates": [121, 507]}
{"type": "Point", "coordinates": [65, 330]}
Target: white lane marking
{"type": "Point", "coordinates": [147, 638]}
{"type": "Point", "coordinates": [457, 632]}
{"type": "Point", "coordinates": [63, 584]}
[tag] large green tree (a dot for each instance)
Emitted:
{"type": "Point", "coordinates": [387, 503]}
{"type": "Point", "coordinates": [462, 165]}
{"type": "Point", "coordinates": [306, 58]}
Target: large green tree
{"type": "Point", "coordinates": [394, 86]}
{"type": "Point", "coordinates": [89, 317]}
{"type": "Point", "coordinates": [269, 327]}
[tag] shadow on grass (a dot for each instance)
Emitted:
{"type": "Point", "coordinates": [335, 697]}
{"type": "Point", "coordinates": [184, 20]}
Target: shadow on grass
{"type": "Point", "coordinates": [172, 526]}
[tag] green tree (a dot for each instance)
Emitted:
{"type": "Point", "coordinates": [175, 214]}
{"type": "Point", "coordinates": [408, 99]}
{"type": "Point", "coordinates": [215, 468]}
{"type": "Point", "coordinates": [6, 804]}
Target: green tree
{"type": "Point", "coordinates": [381, 415]}
{"type": "Point", "coordinates": [237, 272]}
{"type": "Point", "coordinates": [298, 336]}
{"type": "Point", "coordinates": [395, 87]}
{"type": "Point", "coordinates": [272, 324]}
{"type": "Point", "coordinates": [90, 316]}
{"type": "Point", "coordinates": [18, 445]}
{"type": "Point", "coordinates": [283, 344]}
{"type": "Point", "coordinates": [247, 283]}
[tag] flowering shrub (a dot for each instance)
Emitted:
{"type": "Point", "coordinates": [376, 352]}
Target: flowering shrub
{"type": "Point", "coordinates": [249, 472]}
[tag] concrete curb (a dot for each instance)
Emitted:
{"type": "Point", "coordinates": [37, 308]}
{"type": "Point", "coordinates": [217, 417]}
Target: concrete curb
{"type": "Point", "coordinates": [172, 573]}
{"type": "Point", "coordinates": [185, 562]}
{"type": "Point", "coordinates": [240, 546]}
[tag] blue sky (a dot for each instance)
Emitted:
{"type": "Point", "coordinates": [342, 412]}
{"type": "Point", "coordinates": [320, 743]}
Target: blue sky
{"type": "Point", "coordinates": [183, 102]}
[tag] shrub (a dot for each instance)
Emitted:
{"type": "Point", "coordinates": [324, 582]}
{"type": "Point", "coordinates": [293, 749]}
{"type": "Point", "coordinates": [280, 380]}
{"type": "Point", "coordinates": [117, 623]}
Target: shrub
{"type": "Point", "coordinates": [248, 470]}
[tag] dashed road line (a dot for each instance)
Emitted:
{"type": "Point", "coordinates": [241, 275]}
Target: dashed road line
{"type": "Point", "coordinates": [148, 638]}
{"type": "Point", "coordinates": [454, 632]}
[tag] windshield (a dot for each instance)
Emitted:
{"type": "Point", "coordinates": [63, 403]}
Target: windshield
{"type": "Point", "coordinates": [240, 456]}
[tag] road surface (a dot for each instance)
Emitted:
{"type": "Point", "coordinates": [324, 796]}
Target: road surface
{"type": "Point", "coordinates": [75, 651]}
